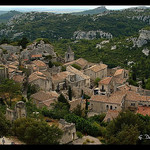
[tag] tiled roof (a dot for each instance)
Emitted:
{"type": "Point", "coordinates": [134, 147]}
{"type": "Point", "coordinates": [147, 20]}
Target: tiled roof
{"type": "Point", "coordinates": [105, 80]}
{"type": "Point", "coordinates": [75, 71]}
{"type": "Point", "coordinates": [98, 67]}
{"type": "Point", "coordinates": [60, 76]}
{"type": "Point", "coordinates": [39, 63]}
{"type": "Point", "coordinates": [111, 114]}
{"type": "Point", "coordinates": [113, 98]}
{"type": "Point", "coordinates": [44, 96]}
{"type": "Point", "coordinates": [36, 75]}
{"type": "Point", "coordinates": [37, 55]}
{"type": "Point", "coordinates": [18, 78]}
{"type": "Point", "coordinates": [144, 110]}
{"type": "Point", "coordinates": [118, 72]}
{"type": "Point", "coordinates": [81, 62]}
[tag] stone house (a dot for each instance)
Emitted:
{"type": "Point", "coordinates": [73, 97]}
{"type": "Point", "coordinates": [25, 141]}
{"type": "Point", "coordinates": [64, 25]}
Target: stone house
{"type": "Point", "coordinates": [123, 98]}
{"type": "Point", "coordinates": [102, 103]}
{"type": "Point", "coordinates": [77, 78]}
{"type": "Point", "coordinates": [69, 131]}
{"type": "Point", "coordinates": [80, 62]}
{"type": "Point", "coordinates": [59, 80]}
{"type": "Point", "coordinates": [40, 65]}
{"type": "Point", "coordinates": [110, 115]}
{"type": "Point", "coordinates": [41, 80]}
{"type": "Point", "coordinates": [43, 98]}
{"type": "Point", "coordinates": [96, 71]}
{"type": "Point", "coordinates": [106, 85]}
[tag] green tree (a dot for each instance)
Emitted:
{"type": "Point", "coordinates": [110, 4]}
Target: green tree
{"type": "Point", "coordinates": [128, 125]}
{"type": "Point", "coordinates": [33, 131]}
{"type": "Point", "coordinates": [96, 81]}
{"type": "Point", "coordinates": [10, 87]}
{"type": "Point", "coordinates": [70, 93]}
{"type": "Point", "coordinates": [5, 126]}
{"type": "Point", "coordinates": [62, 99]}
{"type": "Point", "coordinates": [23, 42]}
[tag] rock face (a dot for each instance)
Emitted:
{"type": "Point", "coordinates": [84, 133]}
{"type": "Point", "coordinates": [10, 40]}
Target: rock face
{"type": "Point", "coordinates": [38, 48]}
{"type": "Point", "coordinates": [89, 35]}
{"type": "Point", "coordinates": [145, 51]}
{"type": "Point", "coordinates": [143, 38]}
{"type": "Point", "coordinates": [11, 48]}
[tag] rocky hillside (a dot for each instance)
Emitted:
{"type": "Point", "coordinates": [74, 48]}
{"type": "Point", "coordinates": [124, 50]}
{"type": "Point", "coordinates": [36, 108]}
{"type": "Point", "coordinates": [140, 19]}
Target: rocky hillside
{"type": "Point", "coordinates": [106, 24]}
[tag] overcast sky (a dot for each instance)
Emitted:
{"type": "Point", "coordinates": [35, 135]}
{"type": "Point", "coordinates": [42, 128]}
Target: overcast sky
{"type": "Point", "coordinates": [83, 7]}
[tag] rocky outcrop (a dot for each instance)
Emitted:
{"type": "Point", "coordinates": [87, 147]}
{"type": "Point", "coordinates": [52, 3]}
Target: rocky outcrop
{"type": "Point", "coordinates": [145, 51]}
{"type": "Point", "coordinates": [38, 48]}
{"type": "Point", "coordinates": [10, 48]}
{"type": "Point", "coordinates": [143, 38]}
{"type": "Point", "coordinates": [89, 35]}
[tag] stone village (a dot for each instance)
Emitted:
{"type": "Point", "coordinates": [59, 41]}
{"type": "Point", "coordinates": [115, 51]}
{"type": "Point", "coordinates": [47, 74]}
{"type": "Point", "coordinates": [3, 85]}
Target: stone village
{"type": "Point", "coordinates": [110, 96]}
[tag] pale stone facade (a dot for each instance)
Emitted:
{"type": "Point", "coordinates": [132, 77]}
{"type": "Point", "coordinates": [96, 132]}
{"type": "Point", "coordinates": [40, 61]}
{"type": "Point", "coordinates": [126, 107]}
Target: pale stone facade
{"type": "Point", "coordinates": [18, 112]}
{"type": "Point", "coordinates": [96, 71]}
{"type": "Point", "coordinates": [69, 130]}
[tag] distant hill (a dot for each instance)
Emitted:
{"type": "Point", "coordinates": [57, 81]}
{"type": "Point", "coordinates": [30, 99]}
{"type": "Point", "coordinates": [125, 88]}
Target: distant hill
{"type": "Point", "coordinates": [6, 15]}
{"type": "Point", "coordinates": [92, 11]}
{"type": "Point", "coordinates": [3, 12]}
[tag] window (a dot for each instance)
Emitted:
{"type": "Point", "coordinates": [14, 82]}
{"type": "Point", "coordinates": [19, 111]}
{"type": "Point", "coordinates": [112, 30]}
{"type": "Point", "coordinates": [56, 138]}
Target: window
{"type": "Point", "coordinates": [132, 104]}
{"type": "Point", "coordinates": [107, 107]}
{"type": "Point", "coordinates": [111, 107]}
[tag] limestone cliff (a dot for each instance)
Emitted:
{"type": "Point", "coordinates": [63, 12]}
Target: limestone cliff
{"type": "Point", "coordinates": [89, 35]}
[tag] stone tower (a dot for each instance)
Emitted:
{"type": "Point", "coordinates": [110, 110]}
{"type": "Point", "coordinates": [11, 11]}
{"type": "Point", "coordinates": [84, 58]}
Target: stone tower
{"type": "Point", "coordinates": [69, 55]}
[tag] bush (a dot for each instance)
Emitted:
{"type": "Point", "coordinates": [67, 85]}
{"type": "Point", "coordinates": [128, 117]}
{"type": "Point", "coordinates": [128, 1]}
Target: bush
{"type": "Point", "coordinates": [79, 134]}
{"type": "Point", "coordinates": [33, 131]}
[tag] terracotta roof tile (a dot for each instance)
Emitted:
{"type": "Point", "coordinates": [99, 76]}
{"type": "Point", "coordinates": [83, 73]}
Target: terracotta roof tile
{"type": "Point", "coordinates": [37, 55]}
{"type": "Point", "coordinates": [118, 72]}
{"type": "Point", "coordinates": [144, 110]}
{"type": "Point", "coordinates": [105, 80]}
{"type": "Point", "coordinates": [39, 63]}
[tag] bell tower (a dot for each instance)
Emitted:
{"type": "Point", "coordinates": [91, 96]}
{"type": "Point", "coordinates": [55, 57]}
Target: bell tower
{"type": "Point", "coordinates": [69, 55]}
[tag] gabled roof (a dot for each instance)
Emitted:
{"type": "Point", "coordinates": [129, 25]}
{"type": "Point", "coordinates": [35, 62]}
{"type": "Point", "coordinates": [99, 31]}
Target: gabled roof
{"type": "Point", "coordinates": [116, 97]}
{"type": "Point", "coordinates": [118, 72]}
{"type": "Point", "coordinates": [39, 63]}
{"type": "Point", "coordinates": [77, 72]}
{"type": "Point", "coordinates": [105, 80]}
{"type": "Point", "coordinates": [43, 96]}
{"type": "Point", "coordinates": [60, 76]}
{"type": "Point", "coordinates": [98, 67]}
{"type": "Point", "coordinates": [36, 75]}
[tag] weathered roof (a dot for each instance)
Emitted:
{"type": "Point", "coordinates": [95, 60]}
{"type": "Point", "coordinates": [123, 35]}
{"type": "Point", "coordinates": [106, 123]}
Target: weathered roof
{"type": "Point", "coordinates": [44, 96]}
{"type": "Point", "coordinates": [81, 62]}
{"type": "Point", "coordinates": [39, 63]}
{"type": "Point", "coordinates": [98, 67]}
{"type": "Point", "coordinates": [116, 97]}
{"type": "Point", "coordinates": [36, 75]}
{"type": "Point", "coordinates": [75, 71]}
{"type": "Point", "coordinates": [118, 72]}
{"type": "Point", "coordinates": [105, 80]}
{"type": "Point", "coordinates": [18, 78]}
{"type": "Point", "coordinates": [144, 110]}
{"type": "Point", "coordinates": [60, 76]}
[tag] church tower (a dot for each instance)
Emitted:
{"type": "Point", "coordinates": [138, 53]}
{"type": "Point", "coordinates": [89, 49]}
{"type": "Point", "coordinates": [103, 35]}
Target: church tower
{"type": "Point", "coordinates": [69, 55]}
